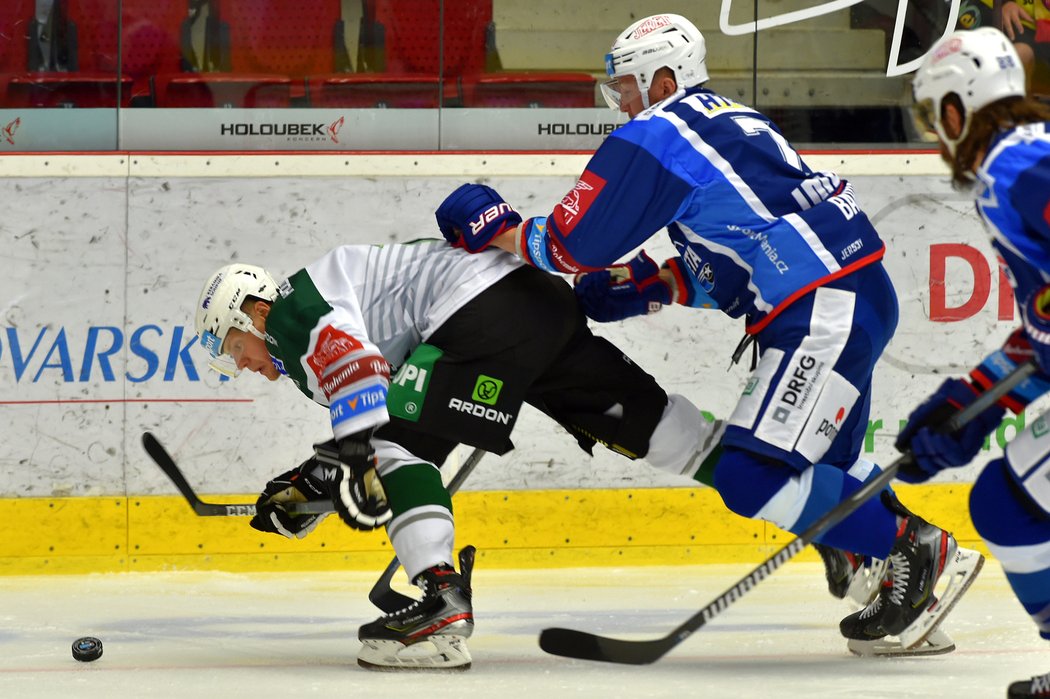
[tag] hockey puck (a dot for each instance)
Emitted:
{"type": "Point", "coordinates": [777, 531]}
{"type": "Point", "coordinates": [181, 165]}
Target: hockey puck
{"type": "Point", "coordinates": [87, 649]}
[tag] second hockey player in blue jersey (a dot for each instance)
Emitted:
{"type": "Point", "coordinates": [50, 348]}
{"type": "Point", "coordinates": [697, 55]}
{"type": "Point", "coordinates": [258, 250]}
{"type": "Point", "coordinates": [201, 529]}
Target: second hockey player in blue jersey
{"type": "Point", "coordinates": [970, 94]}
{"type": "Point", "coordinates": [762, 237]}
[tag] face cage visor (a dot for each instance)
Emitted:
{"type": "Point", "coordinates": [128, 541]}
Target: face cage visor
{"type": "Point", "coordinates": [613, 92]}
{"type": "Point", "coordinates": [223, 362]}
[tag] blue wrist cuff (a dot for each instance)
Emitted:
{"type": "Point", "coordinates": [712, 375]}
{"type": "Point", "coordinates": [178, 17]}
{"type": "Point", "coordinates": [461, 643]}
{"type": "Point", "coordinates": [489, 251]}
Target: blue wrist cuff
{"type": "Point", "coordinates": [997, 365]}
{"type": "Point", "coordinates": [534, 244]}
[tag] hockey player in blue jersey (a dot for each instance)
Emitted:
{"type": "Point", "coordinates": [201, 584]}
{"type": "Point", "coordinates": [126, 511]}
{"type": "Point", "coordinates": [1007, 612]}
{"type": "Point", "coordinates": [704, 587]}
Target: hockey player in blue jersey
{"type": "Point", "coordinates": [759, 236]}
{"type": "Point", "coordinates": [970, 93]}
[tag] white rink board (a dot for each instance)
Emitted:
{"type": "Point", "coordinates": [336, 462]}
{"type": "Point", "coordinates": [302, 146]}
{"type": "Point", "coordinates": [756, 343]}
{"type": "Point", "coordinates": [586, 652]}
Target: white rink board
{"type": "Point", "coordinates": [101, 274]}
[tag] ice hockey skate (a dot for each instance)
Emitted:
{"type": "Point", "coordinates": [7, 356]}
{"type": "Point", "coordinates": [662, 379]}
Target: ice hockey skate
{"type": "Point", "coordinates": [851, 576]}
{"type": "Point", "coordinates": [1025, 689]}
{"type": "Point", "coordinates": [937, 643]}
{"type": "Point", "coordinates": [859, 585]}
{"type": "Point", "coordinates": [429, 634]}
{"type": "Point", "coordinates": [923, 559]}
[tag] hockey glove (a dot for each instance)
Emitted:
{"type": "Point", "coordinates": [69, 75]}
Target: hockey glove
{"type": "Point", "coordinates": [933, 449]}
{"type": "Point", "coordinates": [297, 485]}
{"type": "Point", "coordinates": [473, 215]}
{"type": "Point", "coordinates": [623, 291]}
{"type": "Point", "coordinates": [353, 482]}
{"type": "Point", "coordinates": [1035, 313]}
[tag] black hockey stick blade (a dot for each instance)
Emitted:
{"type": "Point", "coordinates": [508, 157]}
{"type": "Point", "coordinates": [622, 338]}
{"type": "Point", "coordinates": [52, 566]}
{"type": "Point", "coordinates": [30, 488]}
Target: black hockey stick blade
{"type": "Point", "coordinates": [163, 459]}
{"type": "Point", "coordinates": [587, 646]}
{"type": "Point", "coordinates": [381, 594]}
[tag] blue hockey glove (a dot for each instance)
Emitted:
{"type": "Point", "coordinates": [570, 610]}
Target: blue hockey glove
{"type": "Point", "coordinates": [1035, 314]}
{"type": "Point", "coordinates": [932, 449]}
{"type": "Point", "coordinates": [623, 291]}
{"type": "Point", "coordinates": [473, 215]}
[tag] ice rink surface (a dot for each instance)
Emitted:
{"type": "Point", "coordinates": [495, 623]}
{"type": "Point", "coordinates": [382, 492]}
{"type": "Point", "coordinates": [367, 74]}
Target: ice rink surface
{"type": "Point", "coordinates": [197, 634]}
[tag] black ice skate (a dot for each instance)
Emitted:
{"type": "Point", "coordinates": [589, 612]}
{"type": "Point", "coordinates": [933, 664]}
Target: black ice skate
{"type": "Point", "coordinates": [856, 578]}
{"type": "Point", "coordinates": [429, 634]}
{"type": "Point", "coordinates": [907, 607]}
{"type": "Point", "coordinates": [1035, 687]}
{"type": "Point", "coordinates": [851, 575]}
{"type": "Point", "coordinates": [839, 568]}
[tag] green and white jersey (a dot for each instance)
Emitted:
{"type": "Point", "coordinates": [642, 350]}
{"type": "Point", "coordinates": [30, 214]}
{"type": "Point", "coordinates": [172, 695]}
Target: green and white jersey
{"type": "Point", "coordinates": [340, 320]}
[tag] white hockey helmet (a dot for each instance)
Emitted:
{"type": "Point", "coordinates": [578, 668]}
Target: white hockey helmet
{"type": "Point", "coordinates": [981, 66]}
{"type": "Point", "coordinates": [219, 308]}
{"type": "Point", "coordinates": [659, 41]}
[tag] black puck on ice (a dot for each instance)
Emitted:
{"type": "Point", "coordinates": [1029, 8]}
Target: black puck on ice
{"type": "Point", "coordinates": [87, 649]}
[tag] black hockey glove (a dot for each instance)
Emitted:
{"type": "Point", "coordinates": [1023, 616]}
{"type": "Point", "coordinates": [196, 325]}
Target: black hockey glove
{"type": "Point", "coordinates": [353, 482]}
{"type": "Point", "coordinates": [297, 485]}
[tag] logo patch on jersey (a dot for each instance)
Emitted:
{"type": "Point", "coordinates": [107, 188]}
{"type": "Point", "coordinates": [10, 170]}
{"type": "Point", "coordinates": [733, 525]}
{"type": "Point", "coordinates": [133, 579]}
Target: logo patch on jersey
{"type": "Point", "coordinates": [480, 411]}
{"type": "Point", "coordinates": [332, 344]}
{"type": "Point", "coordinates": [702, 271]}
{"type": "Point", "coordinates": [799, 383]}
{"type": "Point", "coordinates": [487, 389]}
{"type": "Point", "coordinates": [575, 204]}
{"type": "Point", "coordinates": [830, 428]}
{"type": "Point", "coordinates": [357, 403]}
{"type": "Point", "coordinates": [357, 370]}
{"type": "Point", "coordinates": [1040, 428]}
{"type": "Point", "coordinates": [561, 259]}
{"type": "Point", "coordinates": [706, 277]}
{"type": "Point", "coordinates": [832, 407]}
{"type": "Point", "coordinates": [851, 249]}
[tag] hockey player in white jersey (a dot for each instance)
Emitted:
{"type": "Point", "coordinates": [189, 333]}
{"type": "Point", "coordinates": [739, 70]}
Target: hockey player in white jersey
{"type": "Point", "coordinates": [470, 337]}
{"type": "Point", "coordinates": [970, 95]}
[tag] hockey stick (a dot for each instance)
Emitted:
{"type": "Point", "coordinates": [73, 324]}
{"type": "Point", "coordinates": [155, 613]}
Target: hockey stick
{"type": "Point", "coordinates": [381, 594]}
{"type": "Point", "coordinates": [163, 459]}
{"type": "Point", "coordinates": [588, 646]}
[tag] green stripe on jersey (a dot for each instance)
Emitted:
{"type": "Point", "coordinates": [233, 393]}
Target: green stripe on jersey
{"type": "Point", "coordinates": [292, 318]}
{"type": "Point", "coordinates": [415, 485]}
{"type": "Point", "coordinates": [408, 387]}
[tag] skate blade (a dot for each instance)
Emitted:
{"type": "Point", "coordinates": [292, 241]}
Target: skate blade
{"type": "Point", "coordinates": [937, 643]}
{"type": "Point", "coordinates": [959, 574]}
{"type": "Point", "coordinates": [865, 584]}
{"type": "Point", "coordinates": [438, 652]}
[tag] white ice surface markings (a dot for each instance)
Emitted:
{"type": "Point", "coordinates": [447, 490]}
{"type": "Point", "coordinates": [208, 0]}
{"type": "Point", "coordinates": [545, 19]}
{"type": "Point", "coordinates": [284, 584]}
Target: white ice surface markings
{"type": "Point", "coordinates": [218, 634]}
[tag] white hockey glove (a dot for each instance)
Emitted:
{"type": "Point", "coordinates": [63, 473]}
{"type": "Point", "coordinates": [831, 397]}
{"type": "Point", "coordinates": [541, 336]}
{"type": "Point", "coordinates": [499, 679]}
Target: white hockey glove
{"type": "Point", "coordinates": [353, 482]}
{"type": "Point", "coordinates": [297, 485]}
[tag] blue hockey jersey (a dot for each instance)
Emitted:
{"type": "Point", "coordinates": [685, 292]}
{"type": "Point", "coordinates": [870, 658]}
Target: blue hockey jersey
{"type": "Point", "coordinates": [1013, 199]}
{"type": "Point", "coordinates": [754, 226]}
{"type": "Point", "coordinates": [1014, 202]}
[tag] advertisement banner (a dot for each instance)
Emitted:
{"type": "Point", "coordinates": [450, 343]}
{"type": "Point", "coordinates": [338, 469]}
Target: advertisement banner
{"type": "Point", "coordinates": [101, 276]}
